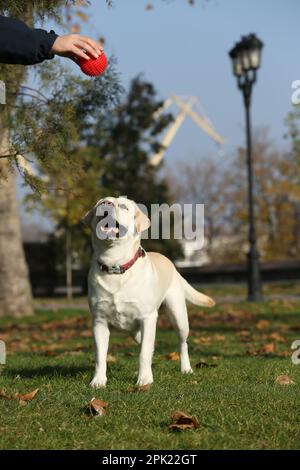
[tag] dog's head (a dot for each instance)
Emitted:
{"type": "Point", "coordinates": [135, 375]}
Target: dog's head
{"type": "Point", "coordinates": [116, 219]}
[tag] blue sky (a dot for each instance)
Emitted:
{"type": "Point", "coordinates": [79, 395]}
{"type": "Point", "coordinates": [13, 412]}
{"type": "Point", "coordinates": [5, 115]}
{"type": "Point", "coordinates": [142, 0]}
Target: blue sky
{"type": "Point", "coordinates": [184, 50]}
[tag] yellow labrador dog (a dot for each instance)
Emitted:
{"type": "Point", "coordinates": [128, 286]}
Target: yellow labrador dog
{"type": "Point", "coordinates": [126, 286]}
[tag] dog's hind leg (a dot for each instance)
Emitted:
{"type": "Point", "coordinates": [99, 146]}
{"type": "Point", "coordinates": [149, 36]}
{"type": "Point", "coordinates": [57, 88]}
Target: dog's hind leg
{"type": "Point", "coordinates": [177, 312]}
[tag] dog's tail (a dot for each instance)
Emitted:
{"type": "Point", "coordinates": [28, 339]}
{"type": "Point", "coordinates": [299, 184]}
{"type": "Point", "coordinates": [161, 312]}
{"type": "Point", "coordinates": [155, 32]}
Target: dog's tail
{"type": "Point", "coordinates": [195, 297]}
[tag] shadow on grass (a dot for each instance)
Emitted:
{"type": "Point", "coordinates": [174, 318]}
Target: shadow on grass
{"type": "Point", "coordinates": [48, 371]}
{"type": "Point", "coordinates": [238, 355]}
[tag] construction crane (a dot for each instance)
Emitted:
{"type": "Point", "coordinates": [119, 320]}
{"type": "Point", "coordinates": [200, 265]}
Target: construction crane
{"type": "Point", "coordinates": [185, 105]}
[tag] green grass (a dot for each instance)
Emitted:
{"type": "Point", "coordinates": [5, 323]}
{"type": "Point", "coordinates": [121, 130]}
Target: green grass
{"type": "Point", "coordinates": [238, 403]}
{"type": "Point", "coordinates": [279, 288]}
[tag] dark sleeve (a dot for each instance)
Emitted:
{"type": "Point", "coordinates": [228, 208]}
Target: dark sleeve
{"type": "Point", "coordinates": [20, 44]}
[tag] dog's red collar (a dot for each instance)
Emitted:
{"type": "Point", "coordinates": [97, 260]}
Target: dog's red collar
{"type": "Point", "coordinates": [120, 269]}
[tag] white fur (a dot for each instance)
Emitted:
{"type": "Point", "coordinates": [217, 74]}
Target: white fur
{"type": "Point", "coordinates": [130, 301]}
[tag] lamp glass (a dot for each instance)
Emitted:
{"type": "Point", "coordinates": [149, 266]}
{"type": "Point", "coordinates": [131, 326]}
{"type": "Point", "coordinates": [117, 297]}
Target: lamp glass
{"type": "Point", "coordinates": [237, 68]}
{"type": "Point", "coordinates": [254, 56]}
{"type": "Point", "coordinates": [255, 46]}
{"type": "Point", "coordinates": [245, 59]}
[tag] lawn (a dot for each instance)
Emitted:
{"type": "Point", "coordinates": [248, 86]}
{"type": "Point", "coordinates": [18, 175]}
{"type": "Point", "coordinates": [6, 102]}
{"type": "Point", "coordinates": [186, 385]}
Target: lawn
{"type": "Point", "coordinates": [238, 402]}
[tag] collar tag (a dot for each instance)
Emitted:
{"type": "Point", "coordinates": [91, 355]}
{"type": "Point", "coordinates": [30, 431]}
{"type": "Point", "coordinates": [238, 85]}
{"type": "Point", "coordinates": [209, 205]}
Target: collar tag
{"type": "Point", "coordinates": [115, 270]}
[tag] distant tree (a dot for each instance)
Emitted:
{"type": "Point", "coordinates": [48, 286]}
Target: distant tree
{"type": "Point", "coordinates": [223, 190]}
{"type": "Point", "coordinates": [276, 196]}
{"type": "Point", "coordinates": [15, 292]}
{"type": "Point", "coordinates": [293, 135]}
{"type": "Point", "coordinates": [291, 167]}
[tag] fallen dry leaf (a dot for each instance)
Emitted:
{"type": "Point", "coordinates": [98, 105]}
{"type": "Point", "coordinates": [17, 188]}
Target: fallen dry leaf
{"type": "Point", "coordinates": [172, 356]}
{"type": "Point", "coordinates": [27, 396]}
{"type": "Point", "coordinates": [243, 333]}
{"type": "Point", "coordinates": [97, 407]}
{"type": "Point", "coordinates": [284, 353]}
{"type": "Point", "coordinates": [245, 336]}
{"type": "Point", "coordinates": [182, 421]}
{"type": "Point", "coordinates": [284, 380]}
{"type": "Point", "coordinates": [219, 337]}
{"type": "Point", "coordinates": [23, 398]}
{"type": "Point", "coordinates": [276, 337]}
{"type": "Point", "coordinates": [269, 348]}
{"type": "Point", "coordinates": [262, 324]}
{"type": "Point", "coordinates": [203, 340]}
{"type": "Point", "coordinates": [266, 349]}
{"type": "Point", "coordinates": [203, 364]}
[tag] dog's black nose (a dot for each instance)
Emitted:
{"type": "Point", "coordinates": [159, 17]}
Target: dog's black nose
{"type": "Point", "coordinates": [105, 213]}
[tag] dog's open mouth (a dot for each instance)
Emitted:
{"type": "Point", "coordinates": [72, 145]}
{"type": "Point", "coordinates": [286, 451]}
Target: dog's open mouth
{"type": "Point", "coordinates": [110, 228]}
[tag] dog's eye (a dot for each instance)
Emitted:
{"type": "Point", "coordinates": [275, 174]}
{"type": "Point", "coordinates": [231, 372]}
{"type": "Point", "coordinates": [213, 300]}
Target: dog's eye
{"type": "Point", "coordinates": [123, 206]}
{"type": "Point", "coordinates": [106, 203]}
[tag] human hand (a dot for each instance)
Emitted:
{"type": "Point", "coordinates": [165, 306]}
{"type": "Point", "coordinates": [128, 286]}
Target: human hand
{"type": "Point", "coordinates": [75, 46]}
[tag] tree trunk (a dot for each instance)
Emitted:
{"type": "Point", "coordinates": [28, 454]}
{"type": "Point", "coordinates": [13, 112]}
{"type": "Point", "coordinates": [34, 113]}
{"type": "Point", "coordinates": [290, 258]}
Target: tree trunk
{"type": "Point", "coordinates": [15, 290]}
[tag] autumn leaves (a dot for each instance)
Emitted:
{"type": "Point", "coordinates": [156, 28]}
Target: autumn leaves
{"type": "Point", "coordinates": [180, 421]}
{"type": "Point", "coordinates": [23, 398]}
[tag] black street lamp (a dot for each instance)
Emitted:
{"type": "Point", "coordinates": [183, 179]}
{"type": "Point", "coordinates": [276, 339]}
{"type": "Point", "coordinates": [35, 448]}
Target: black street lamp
{"type": "Point", "coordinates": [246, 59]}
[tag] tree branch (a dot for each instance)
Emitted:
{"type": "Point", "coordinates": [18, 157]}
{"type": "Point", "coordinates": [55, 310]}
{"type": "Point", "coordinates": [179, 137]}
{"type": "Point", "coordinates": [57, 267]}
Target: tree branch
{"type": "Point", "coordinates": [10, 155]}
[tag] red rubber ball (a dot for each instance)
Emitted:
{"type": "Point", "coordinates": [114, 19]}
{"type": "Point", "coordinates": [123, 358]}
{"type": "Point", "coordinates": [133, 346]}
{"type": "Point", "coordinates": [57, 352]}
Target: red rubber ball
{"type": "Point", "coordinates": [94, 67]}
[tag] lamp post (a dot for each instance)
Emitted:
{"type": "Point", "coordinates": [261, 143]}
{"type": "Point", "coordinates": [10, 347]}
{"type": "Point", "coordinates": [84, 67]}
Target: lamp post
{"type": "Point", "coordinates": [246, 59]}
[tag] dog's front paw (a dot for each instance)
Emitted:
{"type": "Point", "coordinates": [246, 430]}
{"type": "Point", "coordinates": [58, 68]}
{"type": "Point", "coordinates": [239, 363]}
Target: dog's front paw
{"type": "Point", "coordinates": [98, 382]}
{"type": "Point", "coordinates": [145, 379]}
{"type": "Point", "coordinates": [187, 370]}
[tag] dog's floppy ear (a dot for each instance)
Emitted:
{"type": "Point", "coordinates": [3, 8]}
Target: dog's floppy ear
{"type": "Point", "coordinates": [142, 222]}
{"type": "Point", "coordinates": [87, 219]}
